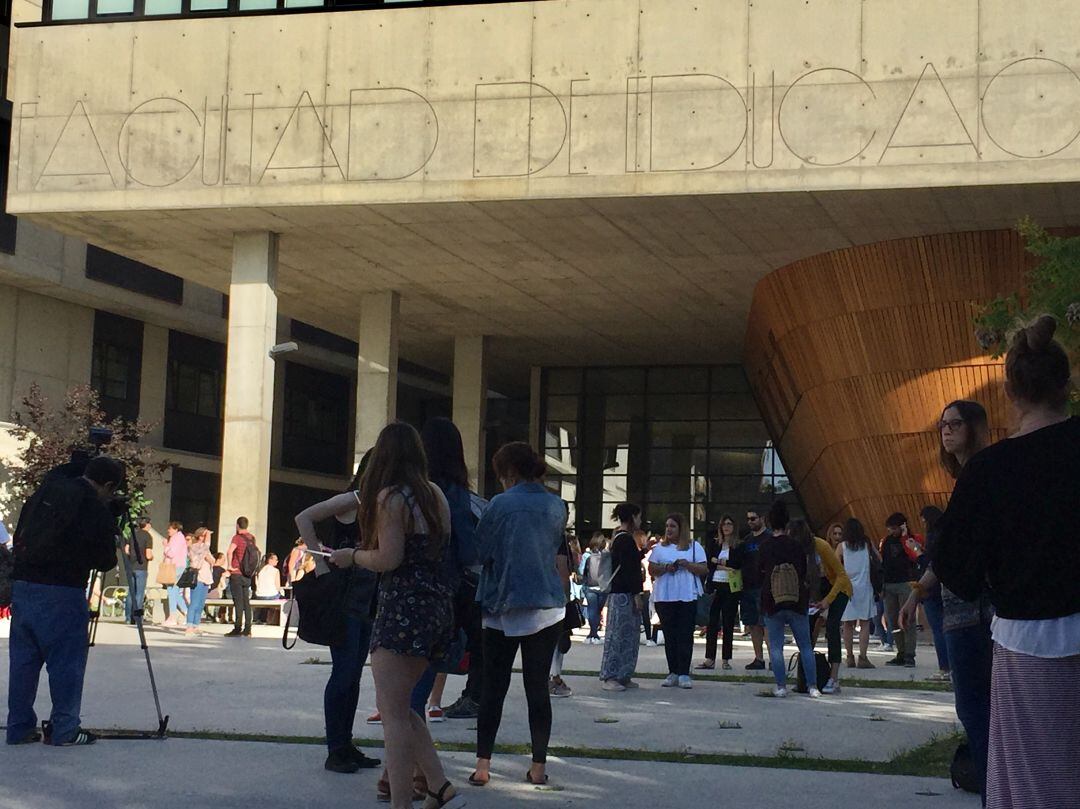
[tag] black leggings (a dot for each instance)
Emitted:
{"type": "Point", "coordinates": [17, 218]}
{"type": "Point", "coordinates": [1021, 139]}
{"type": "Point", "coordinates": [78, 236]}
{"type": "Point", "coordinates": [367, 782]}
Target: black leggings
{"type": "Point", "coordinates": [725, 604]}
{"type": "Point", "coordinates": [832, 626]}
{"type": "Point", "coordinates": [677, 620]}
{"type": "Point", "coordinates": [499, 653]}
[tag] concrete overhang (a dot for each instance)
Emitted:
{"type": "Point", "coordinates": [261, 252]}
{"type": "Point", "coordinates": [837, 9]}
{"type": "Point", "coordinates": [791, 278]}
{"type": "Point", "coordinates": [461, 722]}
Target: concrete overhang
{"type": "Point", "coordinates": [585, 180]}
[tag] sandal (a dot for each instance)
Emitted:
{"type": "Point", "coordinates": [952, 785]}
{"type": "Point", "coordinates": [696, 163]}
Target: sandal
{"type": "Point", "coordinates": [382, 790]}
{"type": "Point", "coordinates": [455, 801]}
{"type": "Point", "coordinates": [706, 666]}
{"type": "Point", "coordinates": [529, 779]}
{"type": "Point", "coordinates": [477, 782]}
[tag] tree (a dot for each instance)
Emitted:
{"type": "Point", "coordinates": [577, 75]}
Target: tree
{"type": "Point", "coordinates": [1051, 287]}
{"type": "Point", "coordinates": [51, 435]}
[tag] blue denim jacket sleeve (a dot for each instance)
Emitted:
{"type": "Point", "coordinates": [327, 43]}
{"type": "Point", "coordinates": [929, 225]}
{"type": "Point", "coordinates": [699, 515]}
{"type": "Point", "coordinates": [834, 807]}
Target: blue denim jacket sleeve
{"type": "Point", "coordinates": [517, 540]}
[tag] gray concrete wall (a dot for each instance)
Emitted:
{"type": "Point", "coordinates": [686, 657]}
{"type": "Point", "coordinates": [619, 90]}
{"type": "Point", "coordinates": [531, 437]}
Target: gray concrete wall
{"type": "Point", "coordinates": [559, 98]}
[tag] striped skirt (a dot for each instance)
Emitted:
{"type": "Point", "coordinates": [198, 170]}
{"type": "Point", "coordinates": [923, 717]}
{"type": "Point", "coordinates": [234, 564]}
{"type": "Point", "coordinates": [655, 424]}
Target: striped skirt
{"type": "Point", "coordinates": [1034, 732]}
{"type": "Point", "coordinates": [620, 638]}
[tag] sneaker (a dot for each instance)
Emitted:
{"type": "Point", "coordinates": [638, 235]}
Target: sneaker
{"type": "Point", "coordinates": [685, 681]}
{"type": "Point", "coordinates": [435, 714]}
{"type": "Point", "coordinates": [33, 737]}
{"type": "Point", "coordinates": [671, 681]}
{"type": "Point", "coordinates": [779, 691]}
{"type": "Point", "coordinates": [557, 688]}
{"type": "Point", "coordinates": [375, 719]}
{"type": "Point", "coordinates": [613, 685]}
{"type": "Point", "coordinates": [81, 737]}
{"type": "Point", "coordinates": [363, 761]}
{"type": "Point", "coordinates": [596, 641]}
{"type": "Point", "coordinates": [629, 684]}
{"type": "Point", "coordinates": [888, 647]}
{"type": "Point", "coordinates": [659, 637]}
{"type": "Point", "coordinates": [813, 693]}
{"type": "Point", "coordinates": [340, 761]}
{"type": "Point", "coordinates": [233, 633]}
{"type": "Point", "coordinates": [757, 665]}
{"type": "Point", "coordinates": [909, 662]}
{"type": "Point", "coordinates": [897, 661]}
{"type": "Point", "coordinates": [940, 677]}
{"type": "Point", "coordinates": [650, 642]}
{"type": "Point", "coordinates": [464, 708]}
{"type": "Point", "coordinates": [726, 665]}
{"type": "Point", "coordinates": [831, 687]}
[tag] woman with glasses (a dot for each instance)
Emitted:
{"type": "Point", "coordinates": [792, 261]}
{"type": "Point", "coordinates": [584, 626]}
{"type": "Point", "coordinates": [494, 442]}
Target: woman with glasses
{"type": "Point", "coordinates": [725, 584]}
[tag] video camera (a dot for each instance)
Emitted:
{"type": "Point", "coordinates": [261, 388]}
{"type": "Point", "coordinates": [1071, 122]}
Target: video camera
{"type": "Point", "coordinates": [97, 439]}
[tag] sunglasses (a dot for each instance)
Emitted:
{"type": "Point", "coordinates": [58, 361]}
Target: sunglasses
{"type": "Point", "coordinates": [952, 424]}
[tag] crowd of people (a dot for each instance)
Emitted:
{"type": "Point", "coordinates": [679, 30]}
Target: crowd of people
{"type": "Point", "coordinates": [431, 579]}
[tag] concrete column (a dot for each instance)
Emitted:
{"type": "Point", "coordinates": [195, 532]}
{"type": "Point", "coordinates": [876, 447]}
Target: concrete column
{"type": "Point", "coordinates": [535, 438]}
{"type": "Point", "coordinates": [470, 404]}
{"type": "Point", "coordinates": [249, 385]}
{"type": "Point", "coordinates": [155, 364]}
{"type": "Point", "coordinates": [376, 369]}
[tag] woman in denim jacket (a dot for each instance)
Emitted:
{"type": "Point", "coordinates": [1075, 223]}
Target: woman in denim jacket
{"type": "Point", "coordinates": [521, 598]}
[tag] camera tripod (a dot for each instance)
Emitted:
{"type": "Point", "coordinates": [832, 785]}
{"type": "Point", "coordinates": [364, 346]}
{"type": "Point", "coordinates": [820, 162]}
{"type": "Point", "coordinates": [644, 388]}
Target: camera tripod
{"type": "Point", "coordinates": [125, 530]}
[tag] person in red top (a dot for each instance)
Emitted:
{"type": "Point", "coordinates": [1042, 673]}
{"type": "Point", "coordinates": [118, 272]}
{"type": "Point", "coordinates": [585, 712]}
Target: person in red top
{"type": "Point", "coordinates": [239, 584]}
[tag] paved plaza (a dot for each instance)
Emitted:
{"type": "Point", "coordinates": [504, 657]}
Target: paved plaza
{"type": "Point", "coordinates": [245, 688]}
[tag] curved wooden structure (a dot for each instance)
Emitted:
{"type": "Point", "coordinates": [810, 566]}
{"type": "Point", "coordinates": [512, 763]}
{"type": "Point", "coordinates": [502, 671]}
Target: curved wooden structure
{"type": "Point", "coordinates": [853, 353]}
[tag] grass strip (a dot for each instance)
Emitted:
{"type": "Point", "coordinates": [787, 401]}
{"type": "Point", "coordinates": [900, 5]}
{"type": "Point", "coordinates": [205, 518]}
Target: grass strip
{"type": "Point", "coordinates": [847, 682]}
{"type": "Point", "coordinates": [931, 759]}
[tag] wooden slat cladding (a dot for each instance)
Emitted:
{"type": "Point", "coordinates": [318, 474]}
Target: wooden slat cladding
{"type": "Point", "coordinates": [853, 353]}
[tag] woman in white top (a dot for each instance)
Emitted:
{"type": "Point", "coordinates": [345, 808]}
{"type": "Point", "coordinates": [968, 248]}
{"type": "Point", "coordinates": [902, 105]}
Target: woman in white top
{"type": "Point", "coordinates": [855, 554]}
{"type": "Point", "coordinates": [677, 564]}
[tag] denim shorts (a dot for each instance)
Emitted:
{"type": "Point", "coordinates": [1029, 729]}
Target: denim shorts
{"type": "Point", "coordinates": [750, 607]}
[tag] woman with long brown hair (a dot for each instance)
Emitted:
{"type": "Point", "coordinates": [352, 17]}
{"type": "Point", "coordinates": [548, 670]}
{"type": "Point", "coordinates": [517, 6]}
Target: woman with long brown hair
{"type": "Point", "coordinates": [404, 529]}
{"type": "Point", "coordinates": [859, 558]}
{"type": "Point", "coordinates": [724, 584]}
{"type": "Point", "coordinates": [677, 565]}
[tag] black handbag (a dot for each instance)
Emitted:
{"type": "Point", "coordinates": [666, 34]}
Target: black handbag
{"type": "Point", "coordinates": [319, 604]}
{"type": "Point", "coordinates": [575, 616]}
{"type": "Point", "coordinates": [189, 578]}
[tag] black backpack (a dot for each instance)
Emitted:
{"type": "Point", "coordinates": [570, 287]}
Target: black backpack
{"type": "Point", "coordinates": [823, 671]}
{"type": "Point", "coordinates": [7, 568]}
{"type": "Point", "coordinates": [249, 561]}
{"type": "Point", "coordinates": [962, 770]}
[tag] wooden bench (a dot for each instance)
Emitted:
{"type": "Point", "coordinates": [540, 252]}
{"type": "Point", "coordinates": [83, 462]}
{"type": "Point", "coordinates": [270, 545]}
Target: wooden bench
{"type": "Point", "coordinates": [157, 594]}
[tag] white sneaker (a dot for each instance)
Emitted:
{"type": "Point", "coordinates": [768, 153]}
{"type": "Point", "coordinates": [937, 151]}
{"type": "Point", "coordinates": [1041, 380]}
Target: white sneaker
{"type": "Point", "coordinates": [650, 642]}
{"type": "Point", "coordinates": [671, 681]}
{"type": "Point", "coordinates": [888, 647]}
{"type": "Point", "coordinates": [613, 685]}
{"type": "Point", "coordinates": [831, 687]}
{"type": "Point", "coordinates": [685, 681]}
{"type": "Point", "coordinates": [659, 637]}
{"type": "Point", "coordinates": [779, 691]}
{"type": "Point", "coordinates": [813, 692]}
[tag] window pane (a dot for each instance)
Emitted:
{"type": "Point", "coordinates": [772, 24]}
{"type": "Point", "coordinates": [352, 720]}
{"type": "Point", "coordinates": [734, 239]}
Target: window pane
{"type": "Point", "coordinates": [729, 379]}
{"type": "Point", "coordinates": [738, 434]}
{"type": "Point", "coordinates": [679, 380]}
{"type": "Point", "coordinates": [162, 7]}
{"type": "Point", "coordinates": [560, 434]}
{"type": "Point", "coordinates": [70, 9]}
{"type": "Point", "coordinates": [209, 5]}
{"type": "Point", "coordinates": [302, 3]}
{"type": "Point", "coordinates": [692, 407]}
{"type": "Point", "coordinates": [563, 380]}
{"type": "Point", "coordinates": [255, 5]}
{"type": "Point", "coordinates": [624, 407]}
{"type": "Point", "coordinates": [736, 461]}
{"type": "Point", "coordinates": [115, 6]}
{"type": "Point", "coordinates": [677, 461]}
{"type": "Point", "coordinates": [734, 406]}
{"type": "Point", "coordinates": [678, 434]}
{"type": "Point", "coordinates": [562, 408]}
{"type": "Point", "coordinates": [615, 380]}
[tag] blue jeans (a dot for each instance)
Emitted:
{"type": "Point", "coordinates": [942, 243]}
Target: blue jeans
{"type": "Point", "coordinates": [881, 629]}
{"type": "Point", "coordinates": [800, 628]}
{"type": "Point", "coordinates": [48, 627]}
{"type": "Point", "coordinates": [421, 691]}
{"type": "Point", "coordinates": [343, 688]}
{"type": "Point", "coordinates": [198, 601]}
{"type": "Point", "coordinates": [935, 614]}
{"type": "Point", "coordinates": [177, 607]}
{"type": "Point", "coordinates": [136, 593]}
{"type": "Point", "coordinates": [594, 602]}
{"type": "Point", "coordinates": [971, 655]}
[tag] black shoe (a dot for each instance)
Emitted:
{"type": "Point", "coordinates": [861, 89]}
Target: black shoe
{"type": "Point", "coordinates": [909, 663]}
{"type": "Point", "coordinates": [364, 762]}
{"type": "Point", "coordinates": [896, 661]}
{"type": "Point", "coordinates": [757, 665]}
{"type": "Point", "coordinates": [33, 737]}
{"type": "Point", "coordinates": [233, 633]}
{"type": "Point", "coordinates": [341, 761]}
{"type": "Point", "coordinates": [247, 632]}
{"type": "Point", "coordinates": [81, 737]}
{"type": "Point", "coordinates": [464, 708]}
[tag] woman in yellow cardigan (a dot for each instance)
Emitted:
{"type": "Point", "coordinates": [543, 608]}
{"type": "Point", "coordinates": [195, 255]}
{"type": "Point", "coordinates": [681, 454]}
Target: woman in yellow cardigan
{"type": "Point", "coordinates": [822, 563]}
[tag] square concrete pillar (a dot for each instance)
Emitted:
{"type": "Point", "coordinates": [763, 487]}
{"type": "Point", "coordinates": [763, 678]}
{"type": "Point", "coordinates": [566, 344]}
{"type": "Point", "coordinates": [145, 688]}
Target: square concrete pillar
{"type": "Point", "coordinates": [535, 438]}
{"type": "Point", "coordinates": [470, 404]}
{"type": "Point", "coordinates": [249, 386]}
{"type": "Point", "coordinates": [376, 369]}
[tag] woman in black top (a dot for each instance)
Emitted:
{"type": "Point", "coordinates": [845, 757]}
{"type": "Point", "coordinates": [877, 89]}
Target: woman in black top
{"type": "Point", "coordinates": [623, 621]}
{"type": "Point", "coordinates": [1013, 526]}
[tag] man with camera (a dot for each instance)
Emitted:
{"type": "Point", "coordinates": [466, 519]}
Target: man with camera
{"type": "Point", "coordinates": [66, 529]}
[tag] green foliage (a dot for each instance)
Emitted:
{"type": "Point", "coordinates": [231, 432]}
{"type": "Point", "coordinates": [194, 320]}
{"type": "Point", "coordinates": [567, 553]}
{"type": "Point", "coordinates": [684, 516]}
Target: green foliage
{"type": "Point", "coordinates": [1052, 287]}
{"type": "Point", "coordinates": [52, 433]}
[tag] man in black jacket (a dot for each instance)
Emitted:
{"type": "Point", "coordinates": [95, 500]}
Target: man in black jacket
{"type": "Point", "coordinates": [65, 531]}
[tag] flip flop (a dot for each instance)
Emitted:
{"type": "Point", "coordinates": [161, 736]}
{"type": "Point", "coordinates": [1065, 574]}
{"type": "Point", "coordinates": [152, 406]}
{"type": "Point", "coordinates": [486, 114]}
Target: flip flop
{"type": "Point", "coordinates": [476, 782]}
{"type": "Point", "coordinates": [529, 779]}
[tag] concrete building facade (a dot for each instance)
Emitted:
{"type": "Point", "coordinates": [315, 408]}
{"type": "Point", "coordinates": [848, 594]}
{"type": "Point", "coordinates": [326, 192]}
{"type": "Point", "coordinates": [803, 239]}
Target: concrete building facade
{"type": "Point", "coordinates": [568, 203]}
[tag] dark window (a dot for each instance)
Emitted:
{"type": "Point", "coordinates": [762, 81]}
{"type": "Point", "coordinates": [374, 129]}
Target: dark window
{"type": "Point", "coordinates": [118, 271]}
{"type": "Point", "coordinates": [316, 420]}
{"type": "Point", "coordinates": [116, 367]}
{"type": "Point", "coordinates": [195, 502]}
{"type": "Point", "coordinates": [313, 335]}
{"type": "Point", "coordinates": [285, 502]}
{"type": "Point", "coordinates": [194, 394]}
{"type": "Point", "coordinates": [416, 405]}
{"type": "Point", "coordinates": [8, 226]}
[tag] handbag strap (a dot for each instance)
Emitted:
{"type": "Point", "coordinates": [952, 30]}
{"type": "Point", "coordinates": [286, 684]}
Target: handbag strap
{"type": "Point", "coordinates": [288, 622]}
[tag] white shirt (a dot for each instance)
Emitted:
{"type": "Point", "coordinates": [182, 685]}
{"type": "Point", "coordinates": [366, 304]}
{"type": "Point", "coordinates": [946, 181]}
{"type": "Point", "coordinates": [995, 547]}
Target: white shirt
{"type": "Point", "coordinates": [519, 623]}
{"type": "Point", "coordinates": [718, 574]}
{"type": "Point", "coordinates": [1046, 637]}
{"type": "Point", "coordinates": [682, 585]}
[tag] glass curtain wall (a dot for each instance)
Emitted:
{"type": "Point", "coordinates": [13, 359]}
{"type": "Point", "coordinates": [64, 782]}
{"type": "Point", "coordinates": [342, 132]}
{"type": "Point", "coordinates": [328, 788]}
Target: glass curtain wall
{"type": "Point", "coordinates": [687, 439]}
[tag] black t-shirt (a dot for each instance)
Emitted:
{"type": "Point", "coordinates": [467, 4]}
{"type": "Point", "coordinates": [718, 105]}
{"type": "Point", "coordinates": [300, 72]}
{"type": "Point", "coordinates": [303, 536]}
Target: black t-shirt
{"type": "Point", "coordinates": [1013, 523]}
{"type": "Point", "coordinates": [137, 549]}
{"type": "Point", "coordinates": [626, 560]}
{"type": "Point", "coordinates": [745, 558]}
{"type": "Point", "coordinates": [895, 564]}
